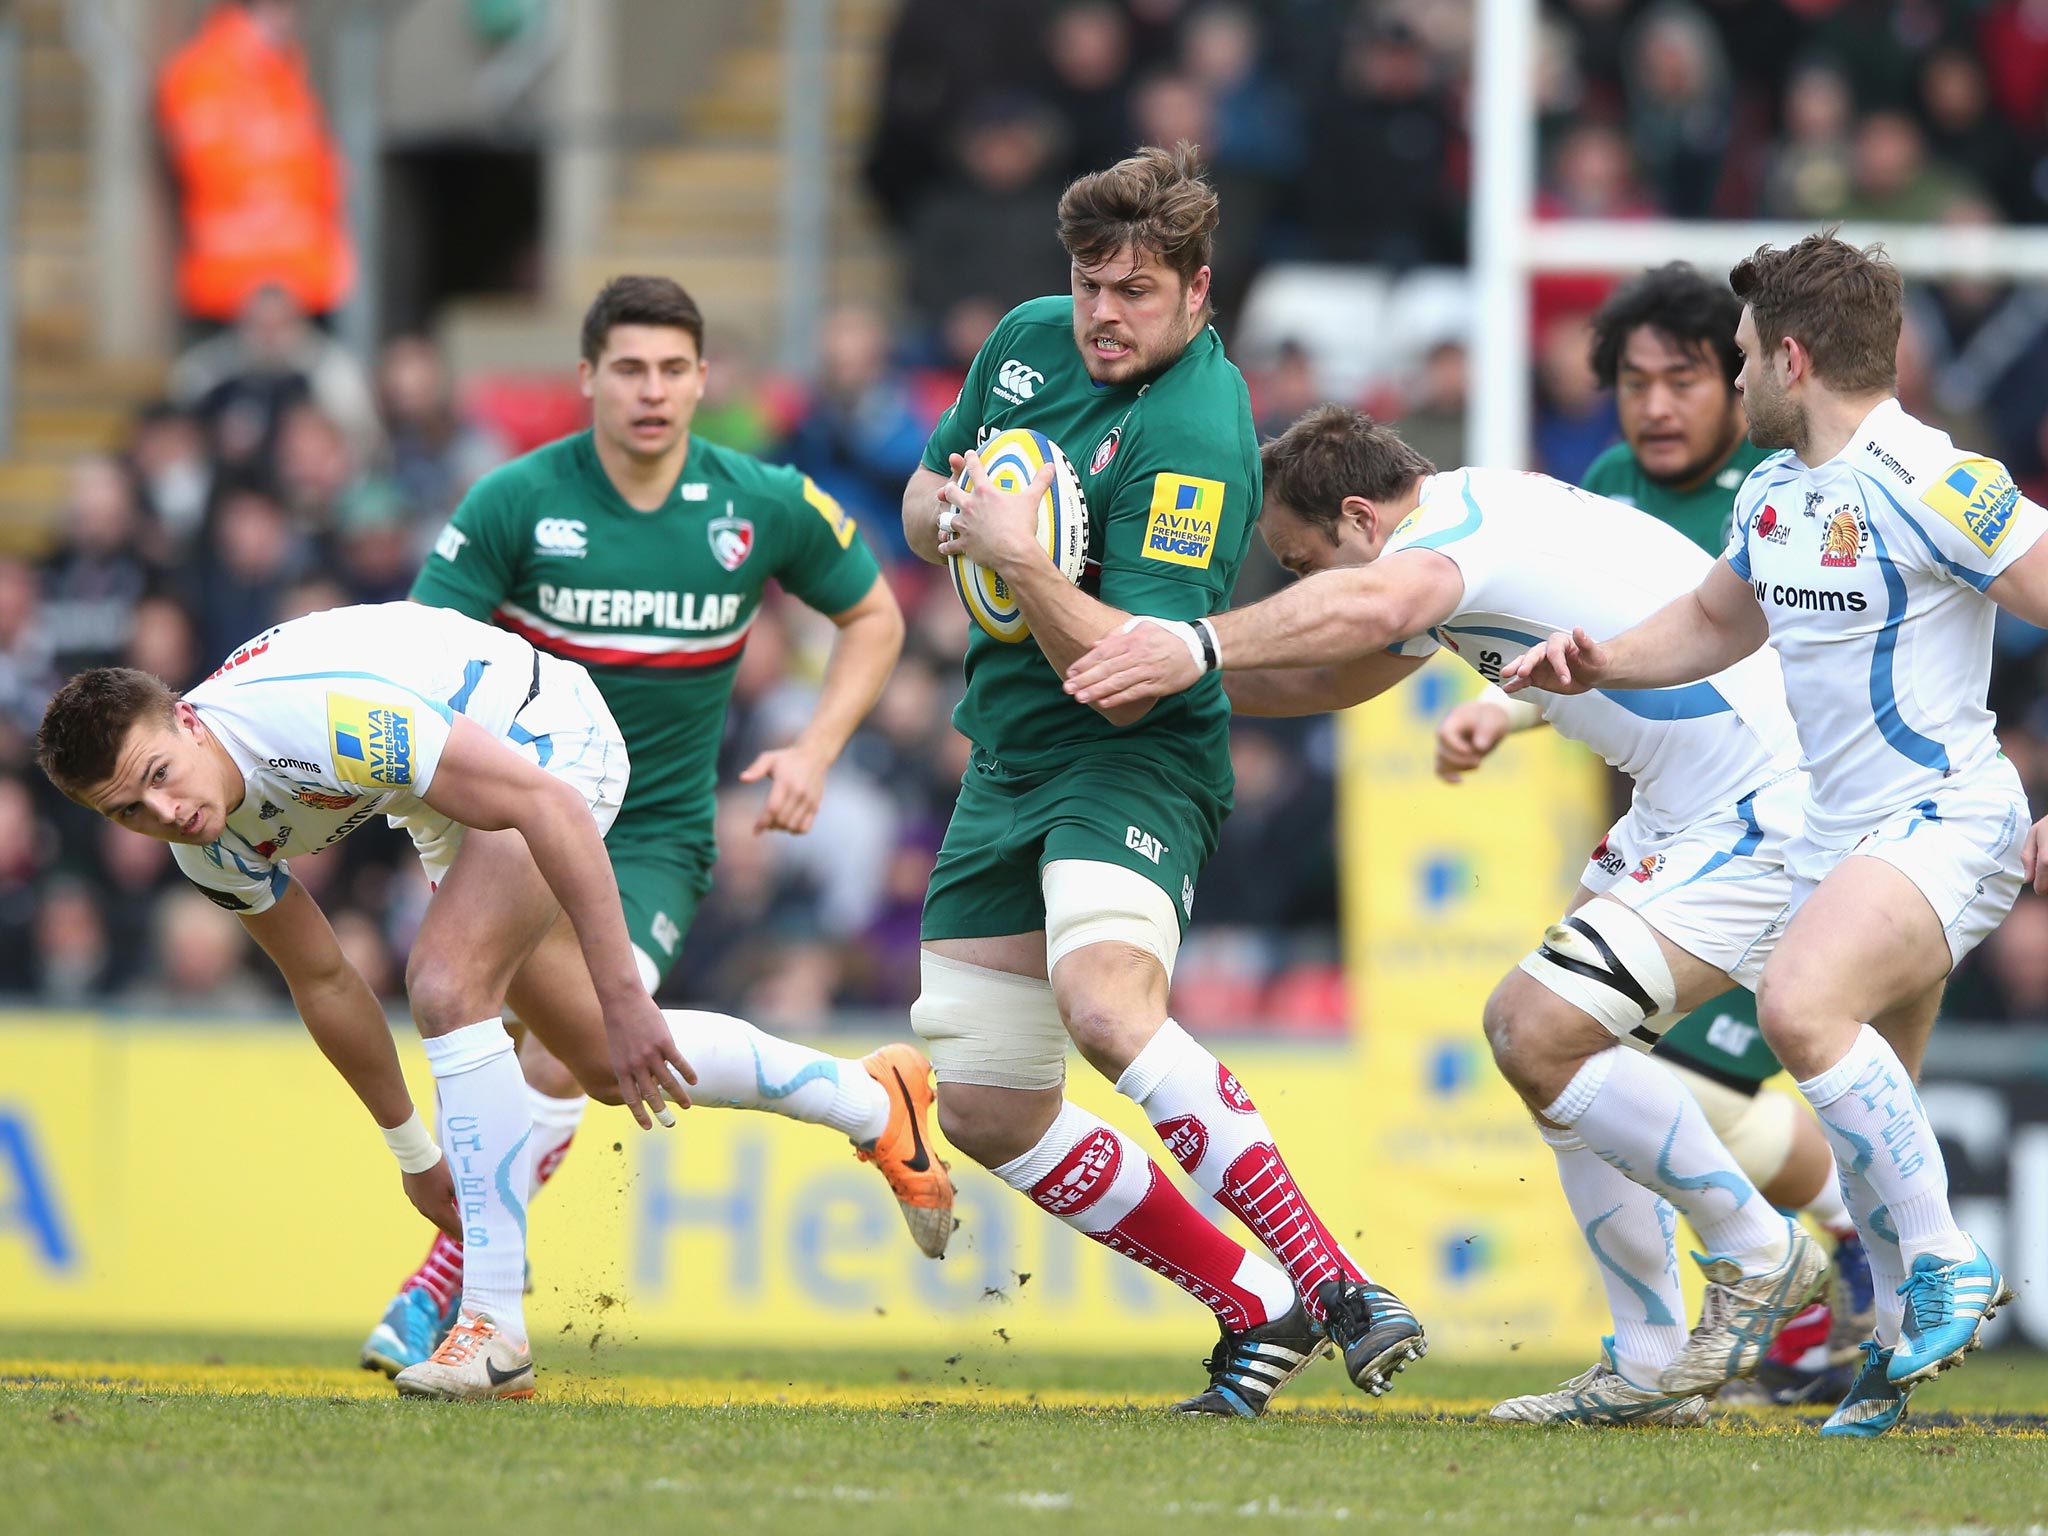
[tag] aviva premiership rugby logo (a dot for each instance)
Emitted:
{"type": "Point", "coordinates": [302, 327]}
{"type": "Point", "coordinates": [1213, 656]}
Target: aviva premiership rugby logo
{"type": "Point", "coordinates": [372, 742]}
{"type": "Point", "coordinates": [732, 540]}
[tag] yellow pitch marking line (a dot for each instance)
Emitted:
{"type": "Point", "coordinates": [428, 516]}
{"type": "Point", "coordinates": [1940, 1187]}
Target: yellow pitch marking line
{"type": "Point", "coordinates": [644, 1391]}
{"type": "Point", "coordinates": [639, 1391]}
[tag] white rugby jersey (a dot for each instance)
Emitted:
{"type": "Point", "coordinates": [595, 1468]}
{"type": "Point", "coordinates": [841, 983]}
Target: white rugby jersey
{"type": "Point", "coordinates": [1539, 556]}
{"type": "Point", "coordinates": [1871, 568]}
{"type": "Point", "coordinates": [338, 717]}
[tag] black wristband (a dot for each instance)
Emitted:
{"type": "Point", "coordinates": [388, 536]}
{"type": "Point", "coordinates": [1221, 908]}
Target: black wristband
{"type": "Point", "coordinates": [1212, 658]}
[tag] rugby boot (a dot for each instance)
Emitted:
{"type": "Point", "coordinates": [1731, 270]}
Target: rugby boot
{"type": "Point", "coordinates": [903, 1152]}
{"type": "Point", "coordinates": [473, 1363]}
{"type": "Point", "coordinates": [1741, 1314]}
{"type": "Point", "coordinates": [1601, 1396]}
{"type": "Point", "coordinates": [1248, 1367]}
{"type": "Point", "coordinates": [1374, 1328]}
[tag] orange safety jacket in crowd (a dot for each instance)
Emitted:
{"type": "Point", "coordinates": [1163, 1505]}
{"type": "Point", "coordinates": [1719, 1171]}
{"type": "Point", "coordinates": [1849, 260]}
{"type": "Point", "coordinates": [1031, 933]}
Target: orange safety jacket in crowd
{"type": "Point", "coordinates": [259, 180]}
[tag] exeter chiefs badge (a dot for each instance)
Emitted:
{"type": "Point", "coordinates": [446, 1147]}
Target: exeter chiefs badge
{"type": "Point", "coordinates": [732, 540]}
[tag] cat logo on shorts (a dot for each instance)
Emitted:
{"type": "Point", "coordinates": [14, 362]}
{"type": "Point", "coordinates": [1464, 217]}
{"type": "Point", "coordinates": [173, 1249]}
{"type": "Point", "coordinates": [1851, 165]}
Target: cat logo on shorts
{"type": "Point", "coordinates": [1646, 867]}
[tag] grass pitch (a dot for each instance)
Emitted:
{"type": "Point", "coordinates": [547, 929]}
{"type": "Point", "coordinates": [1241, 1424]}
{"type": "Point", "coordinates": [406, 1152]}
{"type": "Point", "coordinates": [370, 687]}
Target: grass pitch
{"type": "Point", "coordinates": [175, 1434]}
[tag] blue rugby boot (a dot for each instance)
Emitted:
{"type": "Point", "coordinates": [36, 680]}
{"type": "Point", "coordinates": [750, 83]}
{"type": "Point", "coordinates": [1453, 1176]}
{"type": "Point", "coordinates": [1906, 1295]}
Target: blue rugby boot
{"type": "Point", "coordinates": [411, 1328]}
{"type": "Point", "coordinates": [1947, 1303]}
{"type": "Point", "coordinates": [1246, 1369]}
{"type": "Point", "coordinates": [1875, 1403]}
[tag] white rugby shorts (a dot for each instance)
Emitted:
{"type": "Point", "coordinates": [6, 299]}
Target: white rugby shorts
{"type": "Point", "coordinates": [1717, 887]}
{"type": "Point", "coordinates": [559, 720]}
{"type": "Point", "coordinates": [1960, 847]}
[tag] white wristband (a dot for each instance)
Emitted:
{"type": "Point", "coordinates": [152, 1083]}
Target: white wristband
{"type": "Point", "coordinates": [411, 1145]}
{"type": "Point", "coordinates": [1185, 633]}
{"type": "Point", "coordinates": [1523, 714]}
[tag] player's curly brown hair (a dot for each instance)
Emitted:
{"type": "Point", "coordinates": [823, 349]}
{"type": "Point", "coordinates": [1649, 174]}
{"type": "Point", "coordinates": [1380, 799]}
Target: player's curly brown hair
{"type": "Point", "coordinates": [1333, 452]}
{"type": "Point", "coordinates": [1155, 200]}
{"type": "Point", "coordinates": [1843, 305]}
{"type": "Point", "coordinates": [86, 724]}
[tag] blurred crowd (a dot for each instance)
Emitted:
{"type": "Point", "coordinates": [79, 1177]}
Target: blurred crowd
{"type": "Point", "coordinates": [277, 478]}
{"type": "Point", "coordinates": [279, 475]}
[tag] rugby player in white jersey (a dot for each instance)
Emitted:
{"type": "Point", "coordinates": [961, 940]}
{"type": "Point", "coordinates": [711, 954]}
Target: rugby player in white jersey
{"type": "Point", "coordinates": [1681, 900]}
{"type": "Point", "coordinates": [1871, 553]}
{"type": "Point", "coordinates": [506, 768]}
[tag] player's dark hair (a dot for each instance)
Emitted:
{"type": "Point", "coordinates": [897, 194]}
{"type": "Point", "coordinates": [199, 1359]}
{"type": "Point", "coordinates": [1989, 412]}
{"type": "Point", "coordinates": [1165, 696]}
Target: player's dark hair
{"type": "Point", "coordinates": [1155, 200]}
{"type": "Point", "coordinates": [1333, 452]}
{"type": "Point", "coordinates": [86, 724]}
{"type": "Point", "coordinates": [1680, 303]}
{"type": "Point", "coordinates": [1842, 304]}
{"type": "Point", "coordinates": [639, 300]}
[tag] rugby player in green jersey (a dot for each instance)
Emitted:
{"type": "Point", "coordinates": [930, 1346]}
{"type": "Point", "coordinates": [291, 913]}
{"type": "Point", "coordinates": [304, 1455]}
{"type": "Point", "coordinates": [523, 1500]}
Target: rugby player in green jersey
{"type": "Point", "coordinates": [1665, 344]}
{"type": "Point", "coordinates": [642, 552]}
{"type": "Point", "coordinates": [1068, 872]}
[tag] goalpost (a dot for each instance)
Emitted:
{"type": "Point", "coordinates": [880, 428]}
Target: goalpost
{"type": "Point", "coordinates": [1510, 246]}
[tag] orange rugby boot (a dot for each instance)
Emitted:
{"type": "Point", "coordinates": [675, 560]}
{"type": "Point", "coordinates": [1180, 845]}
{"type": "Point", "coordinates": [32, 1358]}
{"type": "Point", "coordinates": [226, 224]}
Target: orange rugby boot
{"type": "Point", "coordinates": [903, 1152]}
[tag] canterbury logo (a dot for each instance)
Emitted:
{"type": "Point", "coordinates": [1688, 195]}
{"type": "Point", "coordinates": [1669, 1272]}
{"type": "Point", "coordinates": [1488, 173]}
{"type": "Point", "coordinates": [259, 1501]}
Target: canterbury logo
{"type": "Point", "coordinates": [560, 536]}
{"type": "Point", "coordinates": [1018, 381]}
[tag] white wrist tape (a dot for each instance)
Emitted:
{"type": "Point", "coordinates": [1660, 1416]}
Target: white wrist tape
{"type": "Point", "coordinates": [1185, 633]}
{"type": "Point", "coordinates": [411, 1145]}
{"type": "Point", "coordinates": [1523, 714]}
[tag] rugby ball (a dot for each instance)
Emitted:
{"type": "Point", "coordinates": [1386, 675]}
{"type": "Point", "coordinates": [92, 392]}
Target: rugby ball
{"type": "Point", "coordinates": [1011, 460]}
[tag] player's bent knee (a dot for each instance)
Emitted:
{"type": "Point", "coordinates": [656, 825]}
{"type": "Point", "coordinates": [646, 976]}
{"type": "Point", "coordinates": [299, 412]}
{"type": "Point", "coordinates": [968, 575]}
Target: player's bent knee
{"type": "Point", "coordinates": [1090, 902]}
{"type": "Point", "coordinates": [1756, 1128]}
{"type": "Point", "coordinates": [994, 1126]}
{"type": "Point", "coordinates": [1605, 961]}
{"type": "Point", "coordinates": [446, 997]}
{"type": "Point", "coordinates": [987, 1028]}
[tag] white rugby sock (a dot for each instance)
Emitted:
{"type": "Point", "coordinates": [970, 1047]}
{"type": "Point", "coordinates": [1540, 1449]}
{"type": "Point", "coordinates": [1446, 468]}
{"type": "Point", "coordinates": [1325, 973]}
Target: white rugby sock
{"type": "Point", "coordinates": [1100, 1182]}
{"type": "Point", "coordinates": [1221, 1141]}
{"type": "Point", "coordinates": [1828, 1207]}
{"type": "Point", "coordinates": [554, 1126]}
{"type": "Point", "coordinates": [741, 1067]}
{"type": "Point", "coordinates": [487, 1136]}
{"type": "Point", "coordinates": [1641, 1118]}
{"type": "Point", "coordinates": [1881, 1246]}
{"type": "Point", "coordinates": [1632, 1234]}
{"type": "Point", "coordinates": [1880, 1131]}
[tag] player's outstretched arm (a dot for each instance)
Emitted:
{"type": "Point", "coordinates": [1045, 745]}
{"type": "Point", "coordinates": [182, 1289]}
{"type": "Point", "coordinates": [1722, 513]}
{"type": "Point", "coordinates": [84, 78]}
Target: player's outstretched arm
{"type": "Point", "coordinates": [348, 1024]}
{"type": "Point", "coordinates": [1693, 636]}
{"type": "Point", "coordinates": [921, 511]}
{"type": "Point", "coordinates": [864, 652]}
{"type": "Point", "coordinates": [482, 783]}
{"type": "Point", "coordinates": [1280, 691]}
{"type": "Point", "coordinates": [2021, 588]}
{"type": "Point", "coordinates": [1335, 619]}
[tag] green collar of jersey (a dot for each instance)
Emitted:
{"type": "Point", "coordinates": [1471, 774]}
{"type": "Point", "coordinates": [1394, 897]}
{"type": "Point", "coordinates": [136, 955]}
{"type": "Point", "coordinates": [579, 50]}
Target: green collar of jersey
{"type": "Point", "coordinates": [593, 468]}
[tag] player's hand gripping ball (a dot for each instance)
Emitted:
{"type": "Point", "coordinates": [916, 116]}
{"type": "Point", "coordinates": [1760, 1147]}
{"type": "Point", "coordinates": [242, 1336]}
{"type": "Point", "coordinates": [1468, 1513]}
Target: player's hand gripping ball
{"type": "Point", "coordinates": [1011, 459]}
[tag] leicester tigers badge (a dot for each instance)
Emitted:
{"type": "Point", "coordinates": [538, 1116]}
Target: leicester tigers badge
{"type": "Point", "coordinates": [732, 540]}
{"type": "Point", "coordinates": [1105, 451]}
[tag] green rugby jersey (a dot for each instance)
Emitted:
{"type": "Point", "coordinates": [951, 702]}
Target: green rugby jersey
{"type": "Point", "coordinates": [657, 604]}
{"type": "Point", "coordinates": [1703, 514]}
{"type": "Point", "coordinates": [1170, 470]}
